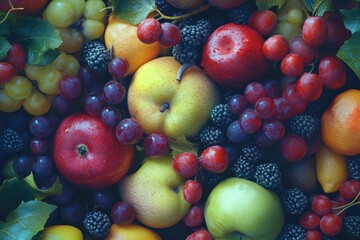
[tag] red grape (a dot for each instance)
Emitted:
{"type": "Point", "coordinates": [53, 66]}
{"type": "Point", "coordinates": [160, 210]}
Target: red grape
{"type": "Point", "coordinates": [94, 103]}
{"type": "Point", "coordinates": [39, 146]}
{"type": "Point", "coordinates": [16, 56]}
{"type": "Point", "coordinates": [7, 72]}
{"type": "Point", "coordinates": [309, 221]}
{"type": "Point", "coordinates": [262, 140]}
{"type": "Point", "coordinates": [194, 217]}
{"type": "Point", "coordinates": [274, 129]}
{"type": "Point", "coordinates": [292, 65]}
{"type": "Point", "coordinates": [332, 72]}
{"type": "Point", "coordinates": [284, 108]}
{"type": "Point", "coordinates": [237, 104]}
{"type": "Point", "coordinates": [122, 213]}
{"type": "Point", "coordinates": [192, 191]}
{"type": "Point", "coordinates": [156, 145]}
{"type": "Point", "coordinates": [70, 87]}
{"type": "Point", "coordinates": [149, 30]}
{"type": "Point", "coordinates": [170, 36]}
{"type": "Point", "coordinates": [350, 189]}
{"type": "Point", "coordinates": [275, 48]}
{"type": "Point", "coordinates": [114, 92]}
{"type": "Point", "coordinates": [250, 122]}
{"type": "Point", "coordinates": [214, 159]}
{"type": "Point", "coordinates": [315, 30]}
{"type": "Point", "coordinates": [118, 68]}
{"type": "Point", "coordinates": [292, 147]}
{"type": "Point", "coordinates": [186, 164]}
{"type": "Point", "coordinates": [265, 108]}
{"type": "Point", "coordinates": [273, 88]}
{"type": "Point", "coordinates": [321, 204]}
{"type": "Point", "coordinates": [110, 116]}
{"type": "Point", "coordinates": [200, 234]}
{"type": "Point", "coordinates": [264, 22]}
{"type": "Point", "coordinates": [309, 86]}
{"type": "Point", "coordinates": [331, 225]}
{"type": "Point", "coordinates": [313, 235]}
{"type": "Point", "coordinates": [299, 46]}
{"type": "Point", "coordinates": [129, 131]}
{"type": "Point", "coordinates": [298, 104]}
{"type": "Point", "coordinates": [254, 91]}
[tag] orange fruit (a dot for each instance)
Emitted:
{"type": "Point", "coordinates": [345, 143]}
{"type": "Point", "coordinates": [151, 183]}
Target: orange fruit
{"type": "Point", "coordinates": [123, 37]}
{"type": "Point", "coordinates": [61, 232]}
{"type": "Point", "coordinates": [331, 169]}
{"type": "Point", "coordinates": [340, 125]}
{"type": "Point", "coordinates": [131, 231]}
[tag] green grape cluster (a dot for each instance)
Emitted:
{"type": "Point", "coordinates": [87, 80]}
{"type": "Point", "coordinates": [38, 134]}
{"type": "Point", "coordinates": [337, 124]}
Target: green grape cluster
{"type": "Point", "coordinates": [290, 18]}
{"type": "Point", "coordinates": [78, 21]}
{"type": "Point", "coordinates": [35, 90]}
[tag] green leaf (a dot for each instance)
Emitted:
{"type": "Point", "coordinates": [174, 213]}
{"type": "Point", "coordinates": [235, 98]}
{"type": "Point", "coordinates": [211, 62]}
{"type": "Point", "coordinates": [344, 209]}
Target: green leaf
{"type": "Point", "coordinates": [265, 4]}
{"type": "Point", "coordinates": [309, 4]}
{"type": "Point", "coordinates": [133, 11]}
{"type": "Point", "coordinates": [4, 26]}
{"type": "Point", "coordinates": [39, 194]}
{"type": "Point", "coordinates": [4, 48]}
{"type": "Point", "coordinates": [38, 37]}
{"type": "Point", "coordinates": [26, 220]}
{"type": "Point", "coordinates": [322, 6]}
{"type": "Point", "coordinates": [350, 53]}
{"type": "Point", "coordinates": [181, 144]}
{"type": "Point", "coordinates": [351, 19]}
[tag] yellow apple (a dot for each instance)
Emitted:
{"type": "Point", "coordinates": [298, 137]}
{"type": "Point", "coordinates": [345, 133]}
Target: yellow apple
{"type": "Point", "coordinates": [155, 191]}
{"type": "Point", "coordinates": [165, 105]}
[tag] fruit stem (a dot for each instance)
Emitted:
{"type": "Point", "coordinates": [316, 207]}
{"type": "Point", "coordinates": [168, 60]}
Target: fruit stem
{"type": "Point", "coordinates": [10, 10]}
{"type": "Point", "coordinates": [82, 150]}
{"type": "Point", "coordinates": [164, 107]}
{"type": "Point", "coordinates": [182, 70]}
{"type": "Point", "coordinates": [346, 206]}
{"type": "Point", "coordinates": [196, 11]}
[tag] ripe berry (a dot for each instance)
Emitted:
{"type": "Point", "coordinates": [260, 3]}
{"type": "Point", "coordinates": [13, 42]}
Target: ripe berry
{"type": "Point", "coordinates": [214, 159]}
{"type": "Point", "coordinates": [315, 30]}
{"type": "Point", "coordinates": [250, 122]}
{"type": "Point", "coordinates": [194, 217]}
{"type": "Point", "coordinates": [129, 131]}
{"type": "Point", "coordinates": [7, 71]}
{"type": "Point", "coordinates": [309, 220]}
{"type": "Point", "coordinates": [254, 91]}
{"type": "Point", "coordinates": [118, 68]}
{"type": "Point", "coordinates": [170, 36]}
{"type": "Point", "coordinates": [313, 235]}
{"type": "Point", "coordinates": [192, 191]}
{"type": "Point", "coordinates": [16, 56]}
{"type": "Point", "coordinates": [149, 30]}
{"type": "Point", "coordinates": [331, 224]}
{"type": "Point", "coordinates": [186, 164]}
{"type": "Point", "coordinates": [321, 205]}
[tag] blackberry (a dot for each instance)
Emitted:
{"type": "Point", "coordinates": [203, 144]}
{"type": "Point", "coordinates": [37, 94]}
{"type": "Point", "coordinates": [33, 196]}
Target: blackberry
{"type": "Point", "coordinates": [354, 167]}
{"type": "Point", "coordinates": [292, 231]}
{"type": "Point", "coordinates": [294, 201]}
{"type": "Point", "coordinates": [305, 125]}
{"type": "Point", "coordinates": [317, 107]}
{"type": "Point", "coordinates": [192, 36]}
{"type": "Point", "coordinates": [252, 152]}
{"type": "Point", "coordinates": [211, 135]}
{"type": "Point", "coordinates": [351, 226]}
{"type": "Point", "coordinates": [18, 120]}
{"type": "Point", "coordinates": [242, 168]}
{"type": "Point", "coordinates": [221, 115]}
{"type": "Point", "coordinates": [212, 179]}
{"type": "Point", "coordinates": [96, 56]}
{"type": "Point", "coordinates": [167, 9]}
{"type": "Point", "coordinates": [241, 14]}
{"type": "Point", "coordinates": [97, 223]}
{"type": "Point", "coordinates": [268, 175]}
{"type": "Point", "coordinates": [10, 141]}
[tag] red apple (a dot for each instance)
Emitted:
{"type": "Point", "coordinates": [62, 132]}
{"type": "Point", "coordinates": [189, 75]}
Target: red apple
{"type": "Point", "coordinates": [87, 153]}
{"type": "Point", "coordinates": [232, 56]}
{"type": "Point", "coordinates": [31, 7]}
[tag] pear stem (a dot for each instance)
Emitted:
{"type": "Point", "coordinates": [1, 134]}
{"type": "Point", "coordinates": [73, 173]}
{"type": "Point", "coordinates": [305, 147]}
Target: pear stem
{"type": "Point", "coordinates": [164, 107]}
{"type": "Point", "coordinates": [182, 70]}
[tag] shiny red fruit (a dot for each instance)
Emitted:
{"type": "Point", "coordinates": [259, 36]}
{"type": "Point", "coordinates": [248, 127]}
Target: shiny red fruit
{"type": "Point", "coordinates": [214, 159]}
{"type": "Point", "coordinates": [331, 225]}
{"type": "Point", "coordinates": [200, 234]}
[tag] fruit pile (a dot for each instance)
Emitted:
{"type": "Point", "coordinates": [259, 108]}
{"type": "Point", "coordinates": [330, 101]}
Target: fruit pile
{"type": "Point", "coordinates": [179, 119]}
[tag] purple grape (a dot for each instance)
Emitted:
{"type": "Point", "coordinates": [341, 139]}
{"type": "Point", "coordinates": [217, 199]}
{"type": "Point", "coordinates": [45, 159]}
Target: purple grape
{"type": "Point", "coordinates": [73, 212]}
{"type": "Point", "coordinates": [156, 145]}
{"type": "Point", "coordinates": [237, 104]}
{"type": "Point", "coordinates": [254, 91]}
{"type": "Point", "coordinates": [265, 108]}
{"type": "Point", "coordinates": [122, 213]}
{"type": "Point", "coordinates": [44, 183]}
{"type": "Point", "coordinates": [43, 166]}
{"type": "Point", "coordinates": [70, 87]}
{"type": "Point", "coordinates": [274, 129]}
{"type": "Point", "coordinates": [235, 133]}
{"type": "Point", "coordinates": [129, 131]}
{"type": "Point", "coordinates": [86, 76]}
{"type": "Point", "coordinates": [22, 165]}
{"type": "Point", "coordinates": [118, 68]}
{"type": "Point", "coordinates": [66, 195]}
{"type": "Point", "coordinates": [39, 146]}
{"type": "Point", "coordinates": [262, 140]}
{"type": "Point", "coordinates": [41, 126]}
{"type": "Point", "coordinates": [249, 121]}
{"type": "Point", "coordinates": [103, 198]}
{"type": "Point", "coordinates": [110, 116]}
{"type": "Point", "coordinates": [114, 92]}
{"type": "Point", "coordinates": [62, 105]}
{"type": "Point", "coordinates": [273, 88]}
{"type": "Point", "coordinates": [284, 108]}
{"type": "Point", "coordinates": [94, 103]}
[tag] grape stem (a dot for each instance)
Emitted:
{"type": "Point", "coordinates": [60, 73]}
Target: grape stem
{"type": "Point", "coordinates": [346, 206]}
{"type": "Point", "coordinates": [196, 11]}
{"type": "Point", "coordinates": [10, 10]}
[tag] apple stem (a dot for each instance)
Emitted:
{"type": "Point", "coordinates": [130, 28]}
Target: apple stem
{"type": "Point", "coordinates": [82, 149]}
{"type": "Point", "coordinates": [182, 70]}
{"type": "Point", "coordinates": [164, 107]}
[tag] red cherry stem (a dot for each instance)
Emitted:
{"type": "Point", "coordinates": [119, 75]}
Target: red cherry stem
{"type": "Point", "coordinates": [348, 205]}
{"type": "Point", "coordinates": [10, 10]}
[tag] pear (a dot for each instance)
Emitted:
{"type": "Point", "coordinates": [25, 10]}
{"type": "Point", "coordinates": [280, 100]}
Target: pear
{"type": "Point", "coordinates": [155, 191]}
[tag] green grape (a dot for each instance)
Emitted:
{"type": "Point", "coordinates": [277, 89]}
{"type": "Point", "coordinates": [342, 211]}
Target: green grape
{"type": "Point", "coordinates": [9, 104]}
{"type": "Point", "coordinates": [281, 14]}
{"type": "Point", "coordinates": [95, 10]}
{"type": "Point", "coordinates": [37, 103]}
{"type": "Point", "coordinates": [66, 64]}
{"type": "Point", "coordinates": [72, 39]}
{"type": "Point", "coordinates": [79, 6]}
{"type": "Point", "coordinates": [295, 16]}
{"type": "Point", "coordinates": [60, 13]}
{"type": "Point", "coordinates": [33, 72]}
{"type": "Point", "coordinates": [18, 88]}
{"type": "Point", "coordinates": [287, 30]}
{"type": "Point", "coordinates": [49, 83]}
{"type": "Point", "coordinates": [290, 4]}
{"type": "Point", "coordinates": [93, 29]}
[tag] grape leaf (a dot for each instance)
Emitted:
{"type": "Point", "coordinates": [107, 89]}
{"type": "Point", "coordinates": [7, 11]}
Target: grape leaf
{"type": "Point", "coordinates": [322, 6]}
{"type": "Point", "coordinates": [4, 48]}
{"type": "Point", "coordinates": [351, 19]}
{"type": "Point", "coordinates": [181, 144]}
{"type": "Point", "coordinates": [309, 4]}
{"type": "Point", "coordinates": [265, 4]}
{"type": "Point", "coordinates": [350, 53]}
{"type": "Point", "coordinates": [133, 11]}
{"type": "Point", "coordinates": [26, 220]}
{"type": "Point", "coordinates": [5, 26]}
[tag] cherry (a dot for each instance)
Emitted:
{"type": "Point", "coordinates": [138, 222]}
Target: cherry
{"type": "Point", "coordinates": [309, 220]}
{"type": "Point", "coordinates": [186, 164]}
{"type": "Point", "coordinates": [292, 65]}
{"type": "Point", "coordinates": [156, 145]}
{"type": "Point", "coordinates": [194, 217]}
{"type": "Point", "coordinates": [331, 224]}
{"type": "Point", "coordinates": [313, 235]}
{"type": "Point", "coordinates": [192, 191]}
{"type": "Point", "coordinates": [350, 189]}
{"type": "Point", "coordinates": [200, 234]}
{"type": "Point", "coordinates": [214, 159]}
{"type": "Point", "coordinates": [321, 204]}
{"type": "Point", "coordinates": [149, 30]}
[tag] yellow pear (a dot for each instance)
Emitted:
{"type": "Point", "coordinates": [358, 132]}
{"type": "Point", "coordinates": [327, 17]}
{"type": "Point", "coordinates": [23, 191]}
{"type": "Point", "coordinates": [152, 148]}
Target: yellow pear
{"type": "Point", "coordinates": [155, 191]}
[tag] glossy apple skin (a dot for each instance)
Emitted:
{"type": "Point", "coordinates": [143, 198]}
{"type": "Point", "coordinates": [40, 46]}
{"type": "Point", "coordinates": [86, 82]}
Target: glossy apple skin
{"type": "Point", "coordinates": [239, 207]}
{"type": "Point", "coordinates": [232, 56]}
{"type": "Point", "coordinates": [31, 7]}
{"type": "Point", "coordinates": [106, 160]}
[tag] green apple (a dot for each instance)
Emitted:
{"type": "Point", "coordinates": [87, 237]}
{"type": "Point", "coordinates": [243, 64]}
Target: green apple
{"type": "Point", "coordinates": [241, 209]}
{"type": "Point", "coordinates": [165, 105]}
{"type": "Point", "coordinates": [155, 191]}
